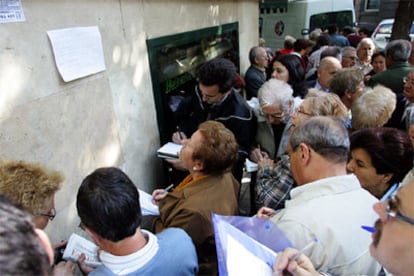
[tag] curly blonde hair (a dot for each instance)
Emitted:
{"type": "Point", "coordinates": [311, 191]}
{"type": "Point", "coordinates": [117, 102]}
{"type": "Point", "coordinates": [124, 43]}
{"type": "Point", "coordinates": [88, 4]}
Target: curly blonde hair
{"type": "Point", "coordinates": [326, 104]}
{"type": "Point", "coordinates": [28, 184]}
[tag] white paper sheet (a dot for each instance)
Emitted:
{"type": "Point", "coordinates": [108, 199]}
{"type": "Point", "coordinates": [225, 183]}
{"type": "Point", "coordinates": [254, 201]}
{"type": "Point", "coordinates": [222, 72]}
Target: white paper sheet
{"type": "Point", "coordinates": [78, 51]}
{"type": "Point", "coordinates": [169, 150]}
{"type": "Point", "coordinates": [250, 165]}
{"type": "Point", "coordinates": [147, 207]}
{"type": "Point", "coordinates": [240, 261]}
{"type": "Point", "coordinates": [11, 11]}
{"type": "Point", "coordinates": [78, 245]}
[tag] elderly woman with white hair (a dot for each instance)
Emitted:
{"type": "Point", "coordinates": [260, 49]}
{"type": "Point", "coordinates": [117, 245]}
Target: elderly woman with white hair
{"type": "Point", "coordinates": [365, 49]}
{"type": "Point", "coordinates": [374, 108]}
{"type": "Point", "coordinates": [276, 104]}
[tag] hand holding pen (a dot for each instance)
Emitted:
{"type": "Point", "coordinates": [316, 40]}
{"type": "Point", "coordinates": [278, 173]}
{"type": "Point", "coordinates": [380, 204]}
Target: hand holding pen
{"type": "Point", "coordinates": [258, 155]}
{"type": "Point", "coordinates": [295, 262]}
{"type": "Point", "coordinates": [178, 136]}
{"type": "Point", "coordinates": [160, 194]}
{"type": "Point", "coordinates": [265, 212]}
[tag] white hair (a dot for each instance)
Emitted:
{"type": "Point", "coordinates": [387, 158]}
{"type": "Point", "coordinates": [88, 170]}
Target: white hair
{"type": "Point", "coordinates": [275, 91]}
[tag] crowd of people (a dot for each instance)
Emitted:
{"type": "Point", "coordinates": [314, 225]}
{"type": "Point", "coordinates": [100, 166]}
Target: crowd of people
{"type": "Point", "coordinates": [329, 123]}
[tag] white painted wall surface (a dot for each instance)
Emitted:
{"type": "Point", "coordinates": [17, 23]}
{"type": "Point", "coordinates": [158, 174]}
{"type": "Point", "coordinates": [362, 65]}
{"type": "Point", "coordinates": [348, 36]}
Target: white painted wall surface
{"type": "Point", "coordinates": [107, 119]}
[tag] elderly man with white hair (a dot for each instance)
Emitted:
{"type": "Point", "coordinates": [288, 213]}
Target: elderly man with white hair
{"type": "Point", "coordinates": [274, 119]}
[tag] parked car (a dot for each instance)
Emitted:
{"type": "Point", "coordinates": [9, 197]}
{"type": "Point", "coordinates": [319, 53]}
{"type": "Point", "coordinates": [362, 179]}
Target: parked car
{"type": "Point", "coordinates": [382, 33]}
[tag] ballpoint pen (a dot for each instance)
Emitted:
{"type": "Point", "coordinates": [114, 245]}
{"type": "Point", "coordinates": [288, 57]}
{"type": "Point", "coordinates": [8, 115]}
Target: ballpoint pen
{"type": "Point", "coordinates": [169, 187]}
{"type": "Point", "coordinates": [390, 191]}
{"type": "Point", "coordinates": [296, 256]}
{"type": "Point", "coordinates": [369, 228]}
{"type": "Point", "coordinates": [260, 152]}
{"type": "Point", "coordinates": [309, 245]}
{"type": "Point", "coordinates": [179, 133]}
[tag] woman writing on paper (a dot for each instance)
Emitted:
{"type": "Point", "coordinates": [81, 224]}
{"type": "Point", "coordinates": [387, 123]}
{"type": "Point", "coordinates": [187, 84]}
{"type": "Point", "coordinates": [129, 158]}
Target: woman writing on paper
{"type": "Point", "coordinates": [210, 187]}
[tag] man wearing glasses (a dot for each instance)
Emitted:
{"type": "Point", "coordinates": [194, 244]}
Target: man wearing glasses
{"type": "Point", "coordinates": [215, 99]}
{"type": "Point", "coordinates": [328, 204]}
{"type": "Point", "coordinates": [392, 242]}
{"type": "Point", "coordinates": [274, 120]}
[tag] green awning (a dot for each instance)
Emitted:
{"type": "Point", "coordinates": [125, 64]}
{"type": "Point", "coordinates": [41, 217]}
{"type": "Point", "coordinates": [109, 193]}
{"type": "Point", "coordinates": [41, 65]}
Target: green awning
{"type": "Point", "coordinates": [273, 4]}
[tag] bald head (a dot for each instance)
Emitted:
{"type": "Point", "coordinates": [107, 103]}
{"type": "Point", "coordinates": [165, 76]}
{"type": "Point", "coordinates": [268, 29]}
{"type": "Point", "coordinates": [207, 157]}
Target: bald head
{"type": "Point", "coordinates": [327, 68]}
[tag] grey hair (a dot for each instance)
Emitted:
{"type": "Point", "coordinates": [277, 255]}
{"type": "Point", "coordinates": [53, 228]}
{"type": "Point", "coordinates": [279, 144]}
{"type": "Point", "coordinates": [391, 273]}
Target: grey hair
{"type": "Point", "coordinates": [346, 79]}
{"type": "Point", "coordinates": [20, 247]}
{"type": "Point", "coordinates": [345, 50]}
{"type": "Point", "coordinates": [326, 135]}
{"type": "Point", "coordinates": [254, 53]}
{"type": "Point", "coordinates": [275, 91]}
{"type": "Point", "coordinates": [398, 50]}
{"type": "Point", "coordinates": [373, 108]}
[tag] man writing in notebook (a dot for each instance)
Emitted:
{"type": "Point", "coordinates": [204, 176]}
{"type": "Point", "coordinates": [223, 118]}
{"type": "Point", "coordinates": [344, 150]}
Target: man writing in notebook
{"type": "Point", "coordinates": [214, 98]}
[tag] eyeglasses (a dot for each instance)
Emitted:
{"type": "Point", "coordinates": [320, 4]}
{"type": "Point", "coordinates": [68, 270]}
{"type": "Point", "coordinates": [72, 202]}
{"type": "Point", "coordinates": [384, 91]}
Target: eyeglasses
{"type": "Point", "coordinates": [300, 111]}
{"type": "Point", "coordinates": [51, 215]}
{"type": "Point", "coordinates": [392, 210]}
{"type": "Point", "coordinates": [277, 116]}
{"type": "Point", "coordinates": [405, 79]}
{"type": "Point", "coordinates": [351, 57]}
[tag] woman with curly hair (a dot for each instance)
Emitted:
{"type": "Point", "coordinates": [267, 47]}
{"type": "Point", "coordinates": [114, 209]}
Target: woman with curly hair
{"type": "Point", "coordinates": [32, 186]}
{"type": "Point", "coordinates": [209, 156]}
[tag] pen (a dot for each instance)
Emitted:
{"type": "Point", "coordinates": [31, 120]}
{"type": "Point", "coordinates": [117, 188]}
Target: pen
{"type": "Point", "coordinates": [369, 228]}
{"type": "Point", "coordinates": [389, 192]}
{"type": "Point", "coordinates": [169, 187]}
{"type": "Point", "coordinates": [309, 245]}
{"type": "Point", "coordinates": [260, 151]}
{"type": "Point", "coordinates": [179, 133]}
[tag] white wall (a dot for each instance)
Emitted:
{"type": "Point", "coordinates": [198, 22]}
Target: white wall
{"type": "Point", "coordinates": [107, 119]}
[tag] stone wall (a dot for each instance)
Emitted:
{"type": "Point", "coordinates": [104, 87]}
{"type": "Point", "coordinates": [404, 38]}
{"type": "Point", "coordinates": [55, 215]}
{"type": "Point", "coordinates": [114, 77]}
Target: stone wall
{"type": "Point", "coordinates": [107, 119]}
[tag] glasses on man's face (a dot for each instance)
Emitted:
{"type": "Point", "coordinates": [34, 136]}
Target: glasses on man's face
{"type": "Point", "coordinates": [407, 79]}
{"type": "Point", "coordinates": [352, 58]}
{"type": "Point", "coordinates": [51, 215]}
{"type": "Point", "coordinates": [392, 210]}
{"type": "Point", "coordinates": [277, 116]}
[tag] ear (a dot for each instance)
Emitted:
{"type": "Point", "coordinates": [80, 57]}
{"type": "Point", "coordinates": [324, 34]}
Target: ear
{"type": "Point", "coordinates": [347, 94]}
{"type": "Point", "coordinates": [198, 165]}
{"type": "Point", "coordinates": [305, 153]}
{"type": "Point", "coordinates": [387, 177]}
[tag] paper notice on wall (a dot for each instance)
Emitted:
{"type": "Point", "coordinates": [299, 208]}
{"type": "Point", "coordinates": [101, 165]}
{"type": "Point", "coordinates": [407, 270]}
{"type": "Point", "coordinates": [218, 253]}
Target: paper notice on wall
{"type": "Point", "coordinates": [11, 11]}
{"type": "Point", "coordinates": [78, 51]}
